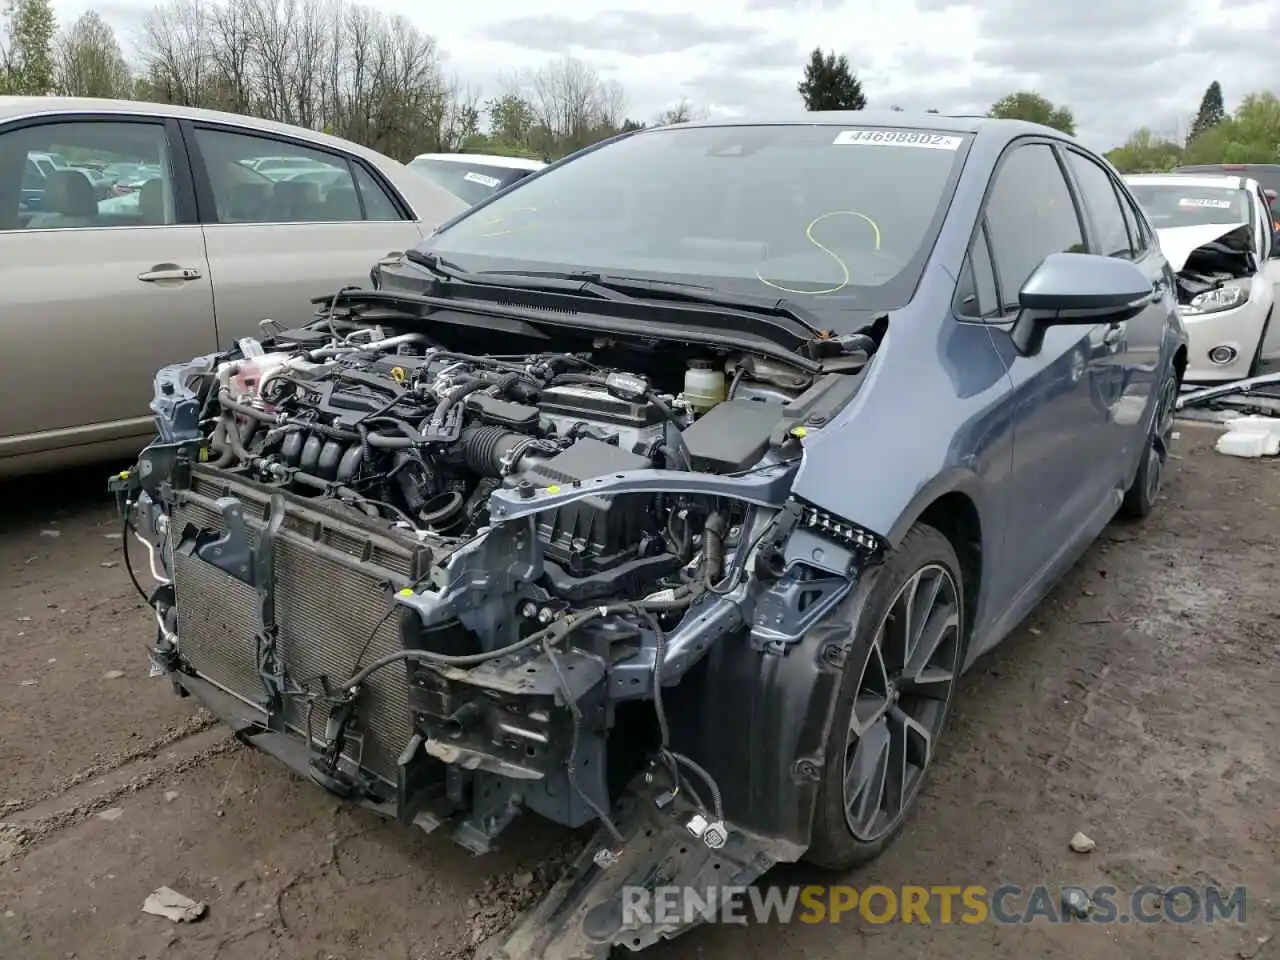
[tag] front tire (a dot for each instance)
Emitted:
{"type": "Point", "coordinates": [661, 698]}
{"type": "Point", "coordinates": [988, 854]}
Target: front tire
{"type": "Point", "coordinates": [899, 678]}
{"type": "Point", "coordinates": [1140, 498]}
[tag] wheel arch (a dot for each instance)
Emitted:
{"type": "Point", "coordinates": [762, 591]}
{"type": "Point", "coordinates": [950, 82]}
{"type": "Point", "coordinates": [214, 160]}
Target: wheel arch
{"type": "Point", "coordinates": [951, 505]}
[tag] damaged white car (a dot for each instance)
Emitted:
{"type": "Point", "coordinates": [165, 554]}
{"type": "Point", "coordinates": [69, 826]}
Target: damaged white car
{"type": "Point", "coordinates": [1217, 234]}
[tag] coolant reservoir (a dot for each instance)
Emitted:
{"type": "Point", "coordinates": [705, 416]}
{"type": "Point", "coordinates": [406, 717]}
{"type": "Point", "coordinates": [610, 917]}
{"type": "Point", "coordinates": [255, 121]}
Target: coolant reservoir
{"type": "Point", "coordinates": [703, 386]}
{"type": "Point", "coordinates": [247, 375]}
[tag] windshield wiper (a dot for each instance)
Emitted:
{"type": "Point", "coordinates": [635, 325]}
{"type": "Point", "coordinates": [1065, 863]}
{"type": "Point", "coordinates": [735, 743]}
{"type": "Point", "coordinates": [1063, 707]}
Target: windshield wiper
{"type": "Point", "coordinates": [618, 288]}
{"type": "Point", "coordinates": [687, 292]}
{"type": "Point", "coordinates": [445, 270]}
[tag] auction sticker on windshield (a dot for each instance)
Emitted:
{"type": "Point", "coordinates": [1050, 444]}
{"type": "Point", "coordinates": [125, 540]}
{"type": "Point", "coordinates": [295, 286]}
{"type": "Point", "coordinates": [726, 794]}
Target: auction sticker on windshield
{"type": "Point", "coordinates": [898, 138]}
{"type": "Point", "coordinates": [482, 179]}
{"type": "Point", "coordinates": [1205, 202]}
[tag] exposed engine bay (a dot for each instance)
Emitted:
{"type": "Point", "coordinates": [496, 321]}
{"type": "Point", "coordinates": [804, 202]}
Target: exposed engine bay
{"type": "Point", "coordinates": [1212, 266]}
{"type": "Point", "coordinates": [452, 585]}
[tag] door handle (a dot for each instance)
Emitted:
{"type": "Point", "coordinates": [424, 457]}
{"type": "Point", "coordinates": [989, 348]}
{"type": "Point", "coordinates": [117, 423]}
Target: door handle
{"type": "Point", "coordinates": [1113, 335]}
{"type": "Point", "coordinates": [169, 271]}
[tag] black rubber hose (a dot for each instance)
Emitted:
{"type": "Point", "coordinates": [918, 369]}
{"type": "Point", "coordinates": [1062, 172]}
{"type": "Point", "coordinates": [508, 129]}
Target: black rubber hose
{"type": "Point", "coordinates": [486, 449]}
{"type": "Point", "coordinates": [245, 410]}
{"type": "Point", "coordinates": [218, 441]}
{"type": "Point", "coordinates": [231, 431]}
{"type": "Point", "coordinates": [713, 533]}
{"type": "Point", "coordinates": [320, 483]}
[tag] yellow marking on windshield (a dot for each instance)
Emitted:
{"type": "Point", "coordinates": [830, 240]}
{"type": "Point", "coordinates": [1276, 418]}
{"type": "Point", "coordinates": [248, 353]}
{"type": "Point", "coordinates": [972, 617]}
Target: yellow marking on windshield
{"type": "Point", "coordinates": [844, 268]}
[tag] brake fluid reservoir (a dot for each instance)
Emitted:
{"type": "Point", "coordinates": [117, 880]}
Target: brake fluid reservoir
{"type": "Point", "coordinates": [703, 386]}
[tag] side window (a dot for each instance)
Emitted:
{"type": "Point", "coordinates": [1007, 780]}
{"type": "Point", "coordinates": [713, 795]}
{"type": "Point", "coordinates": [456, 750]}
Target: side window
{"type": "Point", "coordinates": [1099, 194]}
{"type": "Point", "coordinates": [1030, 214]}
{"type": "Point", "coordinates": [1133, 223]}
{"type": "Point", "coordinates": [122, 176]}
{"type": "Point", "coordinates": [260, 180]}
{"type": "Point", "coordinates": [377, 205]}
{"type": "Point", "coordinates": [976, 294]}
{"type": "Point", "coordinates": [1145, 238]}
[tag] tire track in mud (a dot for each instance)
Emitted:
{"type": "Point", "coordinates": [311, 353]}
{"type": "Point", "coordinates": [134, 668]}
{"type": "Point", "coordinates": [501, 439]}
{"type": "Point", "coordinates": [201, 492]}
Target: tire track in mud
{"type": "Point", "coordinates": [196, 724]}
{"type": "Point", "coordinates": [31, 820]}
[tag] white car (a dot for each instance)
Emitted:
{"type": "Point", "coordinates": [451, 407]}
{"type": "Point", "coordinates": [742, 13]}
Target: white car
{"type": "Point", "coordinates": [472, 177]}
{"type": "Point", "coordinates": [1217, 234]}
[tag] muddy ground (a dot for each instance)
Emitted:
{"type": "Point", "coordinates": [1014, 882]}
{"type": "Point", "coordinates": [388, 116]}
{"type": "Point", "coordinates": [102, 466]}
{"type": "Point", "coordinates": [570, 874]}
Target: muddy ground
{"type": "Point", "coordinates": [1140, 704]}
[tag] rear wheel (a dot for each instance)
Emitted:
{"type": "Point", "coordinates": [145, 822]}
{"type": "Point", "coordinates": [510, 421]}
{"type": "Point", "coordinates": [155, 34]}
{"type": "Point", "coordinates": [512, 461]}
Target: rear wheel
{"type": "Point", "coordinates": [1140, 499]}
{"type": "Point", "coordinates": [899, 677]}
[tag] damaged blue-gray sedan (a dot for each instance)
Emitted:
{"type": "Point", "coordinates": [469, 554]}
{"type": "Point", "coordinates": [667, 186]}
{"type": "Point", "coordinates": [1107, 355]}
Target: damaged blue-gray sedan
{"type": "Point", "coordinates": [670, 490]}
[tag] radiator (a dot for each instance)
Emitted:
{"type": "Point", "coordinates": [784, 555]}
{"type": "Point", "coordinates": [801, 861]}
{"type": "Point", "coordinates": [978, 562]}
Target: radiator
{"type": "Point", "coordinates": [333, 583]}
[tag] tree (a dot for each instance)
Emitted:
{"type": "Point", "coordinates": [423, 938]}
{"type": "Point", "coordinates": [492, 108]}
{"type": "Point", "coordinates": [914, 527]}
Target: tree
{"type": "Point", "coordinates": [1250, 135]}
{"type": "Point", "coordinates": [1211, 112]}
{"type": "Point", "coordinates": [510, 118]}
{"type": "Point", "coordinates": [682, 111]}
{"type": "Point", "coordinates": [829, 84]}
{"type": "Point", "coordinates": [572, 106]}
{"type": "Point", "coordinates": [1032, 107]}
{"type": "Point", "coordinates": [28, 66]}
{"type": "Point", "coordinates": [89, 62]}
{"type": "Point", "coordinates": [1143, 152]}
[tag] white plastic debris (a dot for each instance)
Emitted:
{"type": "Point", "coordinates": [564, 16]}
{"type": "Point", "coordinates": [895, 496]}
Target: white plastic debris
{"type": "Point", "coordinates": [172, 905]}
{"type": "Point", "coordinates": [1251, 437]}
{"type": "Point", "coordinates": [1082, 843]}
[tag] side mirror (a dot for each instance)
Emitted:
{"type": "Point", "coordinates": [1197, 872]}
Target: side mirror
{"type": "Point", "coordinates": [1078, 289]}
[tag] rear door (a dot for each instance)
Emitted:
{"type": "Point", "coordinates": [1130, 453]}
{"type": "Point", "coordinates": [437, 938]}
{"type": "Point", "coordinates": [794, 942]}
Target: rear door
{"type": "Point", "coordinates": [274, 243]}
{"type": "Point", "coordinates": [96, 296]}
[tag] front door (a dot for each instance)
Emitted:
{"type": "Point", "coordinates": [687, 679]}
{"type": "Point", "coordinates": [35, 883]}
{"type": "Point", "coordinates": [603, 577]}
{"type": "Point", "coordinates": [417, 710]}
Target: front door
{"type": "Point", "coordinates": [1060, 478]}
{"type": "Point", "coordinates": [285, 222]}
{"type": "Point", "coordinates": [97, 292]}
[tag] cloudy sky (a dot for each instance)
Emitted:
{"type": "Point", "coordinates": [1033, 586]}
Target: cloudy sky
{"type": "Point", "coordinates": [1138, 62]}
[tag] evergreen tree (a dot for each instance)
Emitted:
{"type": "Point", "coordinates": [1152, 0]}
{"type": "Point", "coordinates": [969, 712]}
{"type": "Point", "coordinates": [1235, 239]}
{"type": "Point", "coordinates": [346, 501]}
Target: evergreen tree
{"type": "Point", "coordinates": [1211, 112]}
{"type": "Point", "coordinates": [829, 84]}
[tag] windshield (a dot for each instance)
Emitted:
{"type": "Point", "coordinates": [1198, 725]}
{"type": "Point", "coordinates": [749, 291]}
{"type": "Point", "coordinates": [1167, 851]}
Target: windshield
{"type": "Point", "coordinates": [827, 216]}
{"type": "Point", "coordinates": [469, 182]}
{"type": "Point", "coordinates": [1178, 205]}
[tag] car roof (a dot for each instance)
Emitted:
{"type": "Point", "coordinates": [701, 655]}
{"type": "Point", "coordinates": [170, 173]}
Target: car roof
{"type": "Point", "coordinates": [489, 159]}
{"type": "Point", "coordinates": [993, 127]}
{"type": "Point", "coordinates": [1221, 181]}
{"type": "Point", "coordinates": [13, 108]}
